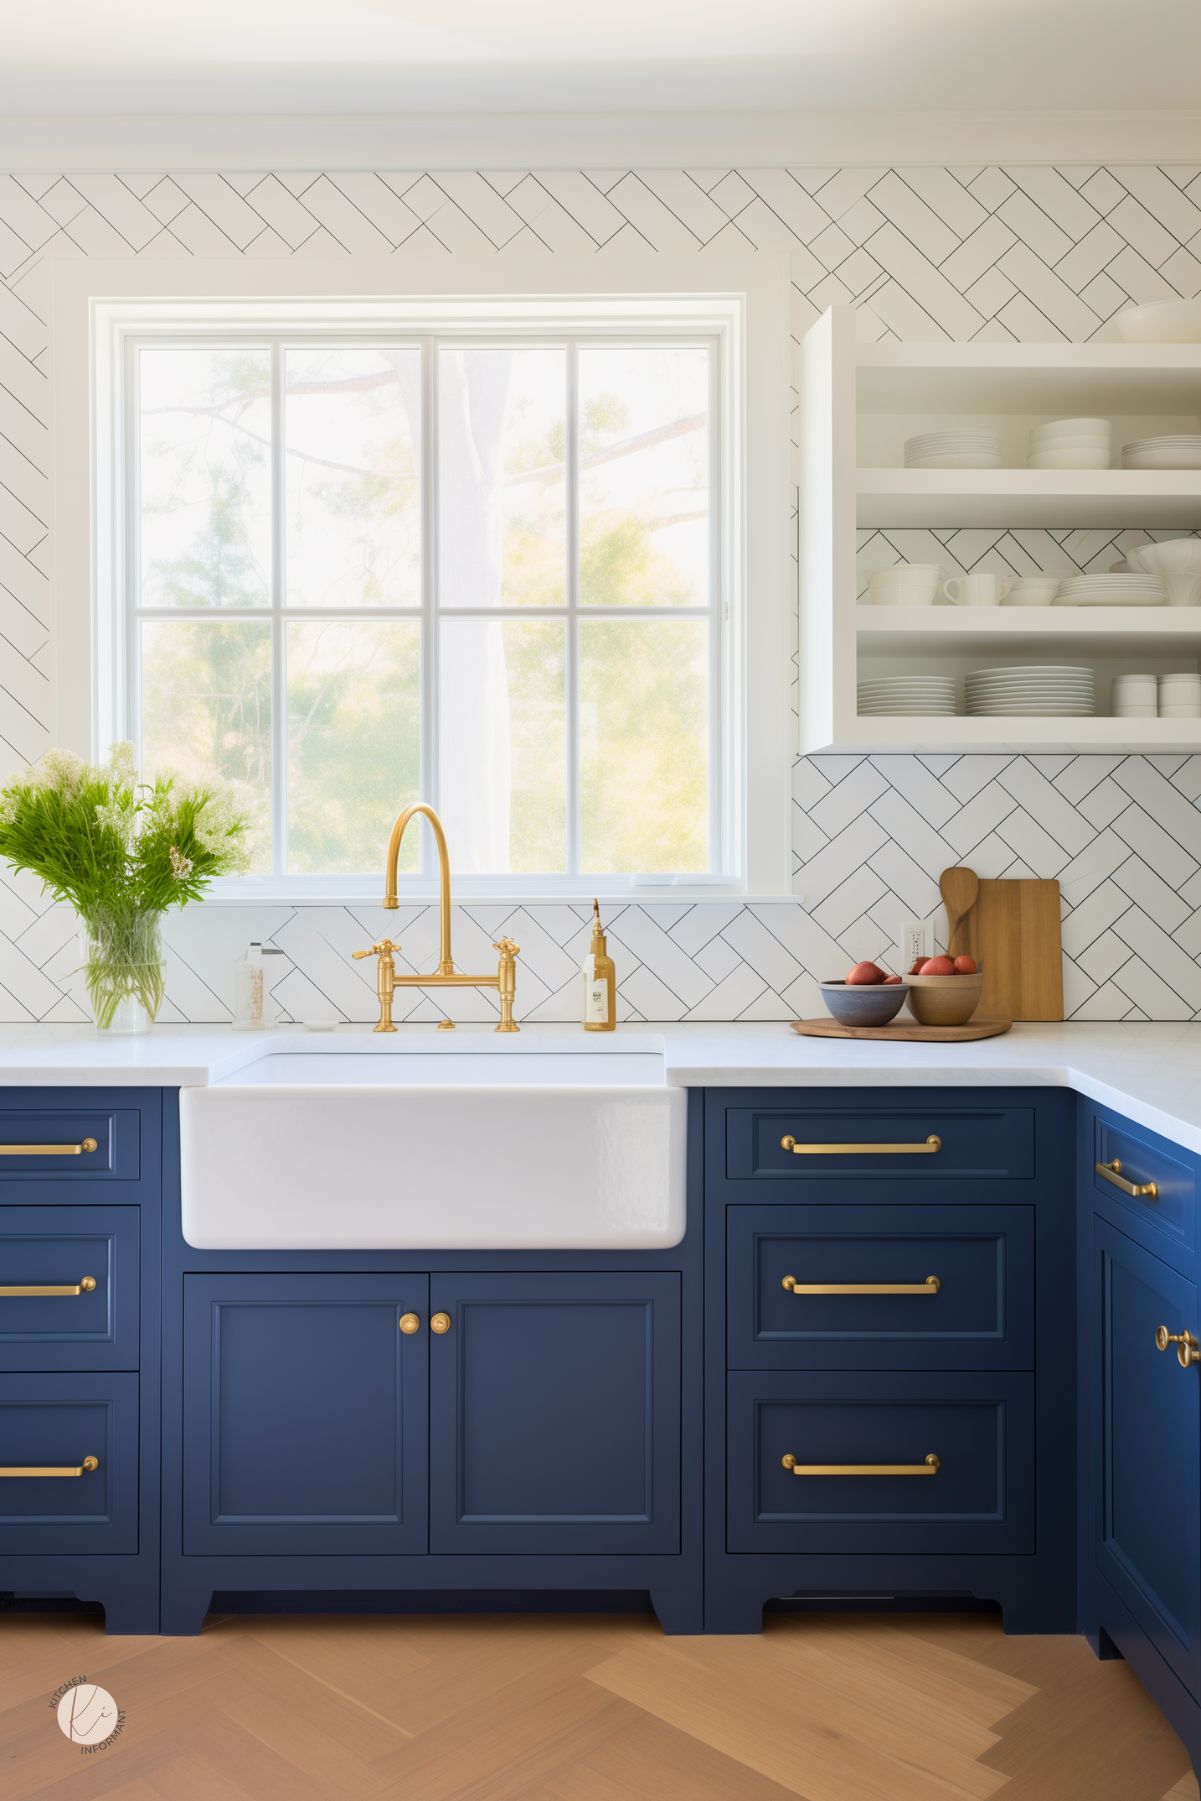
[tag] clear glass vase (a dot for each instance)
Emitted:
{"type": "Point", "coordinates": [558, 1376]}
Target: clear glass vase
{"type": "Point", "coordinates": [123, 969]}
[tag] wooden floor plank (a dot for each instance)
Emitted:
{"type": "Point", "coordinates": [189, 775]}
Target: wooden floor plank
{"type": "Point", "coordinates": [838, 1707]}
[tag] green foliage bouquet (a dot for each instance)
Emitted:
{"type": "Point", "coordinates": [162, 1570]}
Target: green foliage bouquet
{"type": "Point", "coordinates": [121, 851]}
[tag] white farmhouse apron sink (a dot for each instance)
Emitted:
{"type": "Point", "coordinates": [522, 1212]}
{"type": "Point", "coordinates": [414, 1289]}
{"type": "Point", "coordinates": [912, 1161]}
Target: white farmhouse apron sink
{"type": "Point", "coordinates": [412, 1150]}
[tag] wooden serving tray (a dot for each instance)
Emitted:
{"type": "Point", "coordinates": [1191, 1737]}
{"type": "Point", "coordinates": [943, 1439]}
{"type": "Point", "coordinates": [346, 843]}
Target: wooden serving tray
{"type": "Point", "coordinates": [910, 1034]}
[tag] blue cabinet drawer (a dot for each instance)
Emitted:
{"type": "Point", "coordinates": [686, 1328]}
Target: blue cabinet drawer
{"type": "Point", "coordinates": [82, 1430]}
{"type": "Point", "coordinates": [85, 1143]}
{"type": "Point", "coordinates": [69, 1288]}
{"type": "Point", "coordinates": [927, 1463]}
{"type": "Point", "coordinates": [913, 1142]}
{"type": "Point", "coordinates": [1163, 1178]}
{"type": "Point", "coordinates": [804, 1287]}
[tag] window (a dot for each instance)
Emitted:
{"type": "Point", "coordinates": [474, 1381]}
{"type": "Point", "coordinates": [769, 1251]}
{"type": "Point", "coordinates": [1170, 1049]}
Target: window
{"type": "Point", "coordinates": [488, 551]}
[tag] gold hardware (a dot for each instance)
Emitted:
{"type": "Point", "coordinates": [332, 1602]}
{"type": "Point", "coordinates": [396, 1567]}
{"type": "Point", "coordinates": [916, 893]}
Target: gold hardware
{"type": "Point", "coordinates": [409, 1323]}
{"type": "Point", "coordinates": [47, 1150]}
{"type": "Point", "coordinates": [386, 979]}
{"type": "Point", "coordinates": [1188, 1351]}
{"type": "Point", "coordinates": [930, 1286]}
{"type": "Point", "coordinates": [1112, 1172]}
{"type": "Point", "coordinates": [930, 1467]}
{"type": "Point", "coordinates": [932, 1144]}
{"type": "Point", "coordinates": [439, 1322]}
{"type": "Point", "coordinates": [51, 1469]}
{"type": "Point", "coordinates": [446, 975]}
{"type": "Point", "coordinates": [85, 1285]}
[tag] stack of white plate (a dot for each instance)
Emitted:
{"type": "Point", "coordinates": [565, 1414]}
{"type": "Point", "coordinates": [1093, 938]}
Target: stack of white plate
{"type": "Point", "coordinates": [1112, 591]}
{"type": "Point", "coordinates": [932, 695]}
{"type": "Point", "coordinates": [1071, 444]}
{"type": "Point", "coordinates": [1178, 450]}
{"type": "Point", "coordinates": [1180, 697]}
{"type": "Point", "coordinates": [1030, 688]}
{"type": "Point", "coordinates": [967, 449]}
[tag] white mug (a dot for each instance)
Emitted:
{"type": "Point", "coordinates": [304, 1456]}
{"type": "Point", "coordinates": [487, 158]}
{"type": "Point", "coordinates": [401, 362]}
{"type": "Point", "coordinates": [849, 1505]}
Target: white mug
{"type": "Point", "coordinates": [904, 585]}
{"type": "Point", "coordinates": [981, 589]}
{"type": "Point", "coordinates": [1033, 591]}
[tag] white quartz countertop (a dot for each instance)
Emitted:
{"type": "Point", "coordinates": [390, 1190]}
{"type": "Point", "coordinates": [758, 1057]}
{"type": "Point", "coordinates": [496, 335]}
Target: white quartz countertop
{"type": "Point", "coordinates": [1151, 1073]}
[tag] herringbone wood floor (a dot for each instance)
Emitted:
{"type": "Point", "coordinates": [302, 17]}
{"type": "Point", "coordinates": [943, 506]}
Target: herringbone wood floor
{"type": "Point", "coordinates": [830, 1708]}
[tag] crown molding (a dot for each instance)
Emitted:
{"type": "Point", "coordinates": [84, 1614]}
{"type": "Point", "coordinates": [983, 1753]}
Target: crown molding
{"type": "Point", "coordinates": [594, 140]}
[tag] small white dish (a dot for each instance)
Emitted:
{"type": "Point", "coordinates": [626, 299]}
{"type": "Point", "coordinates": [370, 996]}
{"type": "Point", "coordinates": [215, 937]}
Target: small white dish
{"type": "Point", "coordinates": [1161, 322]}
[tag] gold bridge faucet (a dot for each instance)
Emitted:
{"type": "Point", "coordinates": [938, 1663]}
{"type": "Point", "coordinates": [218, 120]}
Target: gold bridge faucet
{"type": "Point", "coordinates": [387, 981]}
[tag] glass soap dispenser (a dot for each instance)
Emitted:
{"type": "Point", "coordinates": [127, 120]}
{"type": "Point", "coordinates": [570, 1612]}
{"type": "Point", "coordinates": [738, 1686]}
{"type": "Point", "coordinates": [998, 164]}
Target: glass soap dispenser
{"type": "Point", "coordinates": [600, 981]}
{"type": "Point", "coordinates": [250, 988]}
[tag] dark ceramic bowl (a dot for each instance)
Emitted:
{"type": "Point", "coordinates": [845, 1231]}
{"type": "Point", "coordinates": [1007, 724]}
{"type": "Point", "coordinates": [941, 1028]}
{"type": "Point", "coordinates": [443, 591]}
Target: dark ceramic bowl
{"type": "Point", "coordinates": [873, 1004]}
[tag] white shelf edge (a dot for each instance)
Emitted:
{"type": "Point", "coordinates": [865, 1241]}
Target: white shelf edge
{"type": "Point", "coordinates": [1151, 358]}
{"type": "Point", "coordinates": [1028, 622]}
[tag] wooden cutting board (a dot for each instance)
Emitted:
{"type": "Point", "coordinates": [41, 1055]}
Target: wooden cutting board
{"type": "Point", "coordinates": [909, 1034]}
{"type": "Point", "coordinates": [1013, 933]}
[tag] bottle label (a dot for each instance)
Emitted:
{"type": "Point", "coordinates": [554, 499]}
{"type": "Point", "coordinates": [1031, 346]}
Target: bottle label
{"type": "Point", "coordinates": [596, 996]}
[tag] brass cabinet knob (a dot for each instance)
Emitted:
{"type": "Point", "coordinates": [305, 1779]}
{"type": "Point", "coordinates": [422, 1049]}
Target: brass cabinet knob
{"type": "Point", "coordinates": [1188, 1351]}
{"type": "Point", "coordinates": [409, 1323]}
{"type": "Point", "coordinates": [440, 1322]}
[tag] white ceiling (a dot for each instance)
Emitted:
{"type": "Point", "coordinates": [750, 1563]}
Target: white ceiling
{"type": "Point", "coordinates": [248, 57]}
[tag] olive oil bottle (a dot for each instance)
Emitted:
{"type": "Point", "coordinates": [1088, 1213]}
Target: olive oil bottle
{"type": "Point", "coordinates": [600, 981]}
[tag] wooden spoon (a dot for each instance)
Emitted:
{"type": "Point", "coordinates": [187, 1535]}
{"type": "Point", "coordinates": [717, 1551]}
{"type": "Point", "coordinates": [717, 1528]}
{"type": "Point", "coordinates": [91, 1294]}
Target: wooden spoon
{"type": "Point", "coordinates": [960, 889]}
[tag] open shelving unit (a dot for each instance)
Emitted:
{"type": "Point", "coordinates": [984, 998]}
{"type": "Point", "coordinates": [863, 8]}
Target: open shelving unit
{"type": "Point", "coordinates": [859, 402]}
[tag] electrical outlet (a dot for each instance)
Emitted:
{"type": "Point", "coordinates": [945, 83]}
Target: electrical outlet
{"type": "Point", "coordinates": [914, 942]}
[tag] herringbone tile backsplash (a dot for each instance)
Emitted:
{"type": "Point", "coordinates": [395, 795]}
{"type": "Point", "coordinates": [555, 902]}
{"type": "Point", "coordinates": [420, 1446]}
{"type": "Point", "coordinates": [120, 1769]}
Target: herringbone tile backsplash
{"type": "Point", "coordinates": [962, 253]}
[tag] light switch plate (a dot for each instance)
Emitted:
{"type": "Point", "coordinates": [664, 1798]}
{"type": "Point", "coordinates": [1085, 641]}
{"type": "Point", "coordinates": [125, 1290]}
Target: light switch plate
{"type": "Point", "coordinates": [913, 942]}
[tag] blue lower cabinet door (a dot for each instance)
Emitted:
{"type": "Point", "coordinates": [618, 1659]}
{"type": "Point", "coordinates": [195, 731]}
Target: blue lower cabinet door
{"type": "Point", "coordinates": [305, 1414]}
{"type": "Point", "coordinates": [881, 1463]}
{"type": "Point", "coordinates": [69, 1288]}
{"type": "Point", "coordinates": [68, 1465]}
{"type": "Point", "coordinates": [1148, 1544]}
{"type": "Point", "coordinates": [555, 1413]}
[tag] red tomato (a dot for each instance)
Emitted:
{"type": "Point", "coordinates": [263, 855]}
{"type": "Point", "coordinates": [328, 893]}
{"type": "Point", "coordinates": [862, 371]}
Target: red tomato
{"type": "Point", "coordinates": [915, 969]}
{"type": "Point", "coordinates": [863, 974]}
{"type": "Point", "coordinates": [965, 966]}
{"type": "Point", "coordinates": [889, 980]}
{"type": "Point", "coordinates": [937, 966]}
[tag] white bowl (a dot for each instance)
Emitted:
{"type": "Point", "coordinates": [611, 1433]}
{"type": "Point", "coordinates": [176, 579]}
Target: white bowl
{"type": "Point", "coordinates": [1161, 322]}
{"type": "Point", "coordinates": [1073, 428]}
{"type": "Point", "coordinates": [1071, 459]}
{"type": "Point", "coordinates": [1176, 556]}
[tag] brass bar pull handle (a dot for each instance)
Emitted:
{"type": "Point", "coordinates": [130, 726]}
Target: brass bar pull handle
{"type": "Point", "coordinates": [1112, 1172]}
{"type": "Point", "coordinates": [1188, 1351]}
{"type": "Point", "coordinates": [48, 1150]}
{"type": "Point", "coordinates": [51, 1469]}
{"type": "Point", "coordinates": [930, 1467]}
{"type": "Point", "coordinates": [9, 1290]}
{"type": "Point", "coordinates": [930, 1286]}
{"type": "Point", "coordinates": [928, 1149]}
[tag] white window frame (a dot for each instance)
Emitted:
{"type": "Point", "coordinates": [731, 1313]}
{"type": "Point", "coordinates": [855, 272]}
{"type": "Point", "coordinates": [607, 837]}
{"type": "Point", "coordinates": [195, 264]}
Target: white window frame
{"type": "Point", "coordinates": [99, 309]}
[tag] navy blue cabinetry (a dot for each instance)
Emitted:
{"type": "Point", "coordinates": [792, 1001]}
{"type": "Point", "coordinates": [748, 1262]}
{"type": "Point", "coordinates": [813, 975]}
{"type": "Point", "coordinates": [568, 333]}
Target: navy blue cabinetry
{"type": "Point", "coordinates": [889, 1331]}
{"type": "Point", "coordinates": [1140, 1410]}
{"type": "Point", "coordinates": [410, 1426]}
{"type": "Point", "coordinates": [80, 1188]}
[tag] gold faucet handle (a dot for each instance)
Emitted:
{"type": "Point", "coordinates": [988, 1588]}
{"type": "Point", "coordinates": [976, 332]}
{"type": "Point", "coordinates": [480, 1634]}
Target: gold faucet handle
{"type": "Point", "coordinates": [507, 948]}
{"type": "Point", "coordinates": [384, 948]}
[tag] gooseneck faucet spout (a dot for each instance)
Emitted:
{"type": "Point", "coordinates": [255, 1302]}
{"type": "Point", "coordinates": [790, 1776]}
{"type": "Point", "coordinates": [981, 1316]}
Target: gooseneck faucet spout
{"type": "Point", "coordinates": [388, 979]}
{"type": "Point", "coordinates": [445, 962]}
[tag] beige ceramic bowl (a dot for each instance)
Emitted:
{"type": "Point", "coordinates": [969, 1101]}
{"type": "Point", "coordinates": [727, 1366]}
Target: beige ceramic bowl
{"type": "Point", "coordinates": [944, 1000]}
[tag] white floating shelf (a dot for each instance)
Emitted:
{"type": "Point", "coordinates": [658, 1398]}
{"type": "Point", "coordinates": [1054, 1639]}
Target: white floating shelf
{"type": "Point", "coordinates": [1038, 497]}
{"type": "Point", "coordinates": [1051, 379]}
{"type": "Point", "coordinates": [907, 733]}
{"type": "Point", "coordinates": [1162, 628]}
